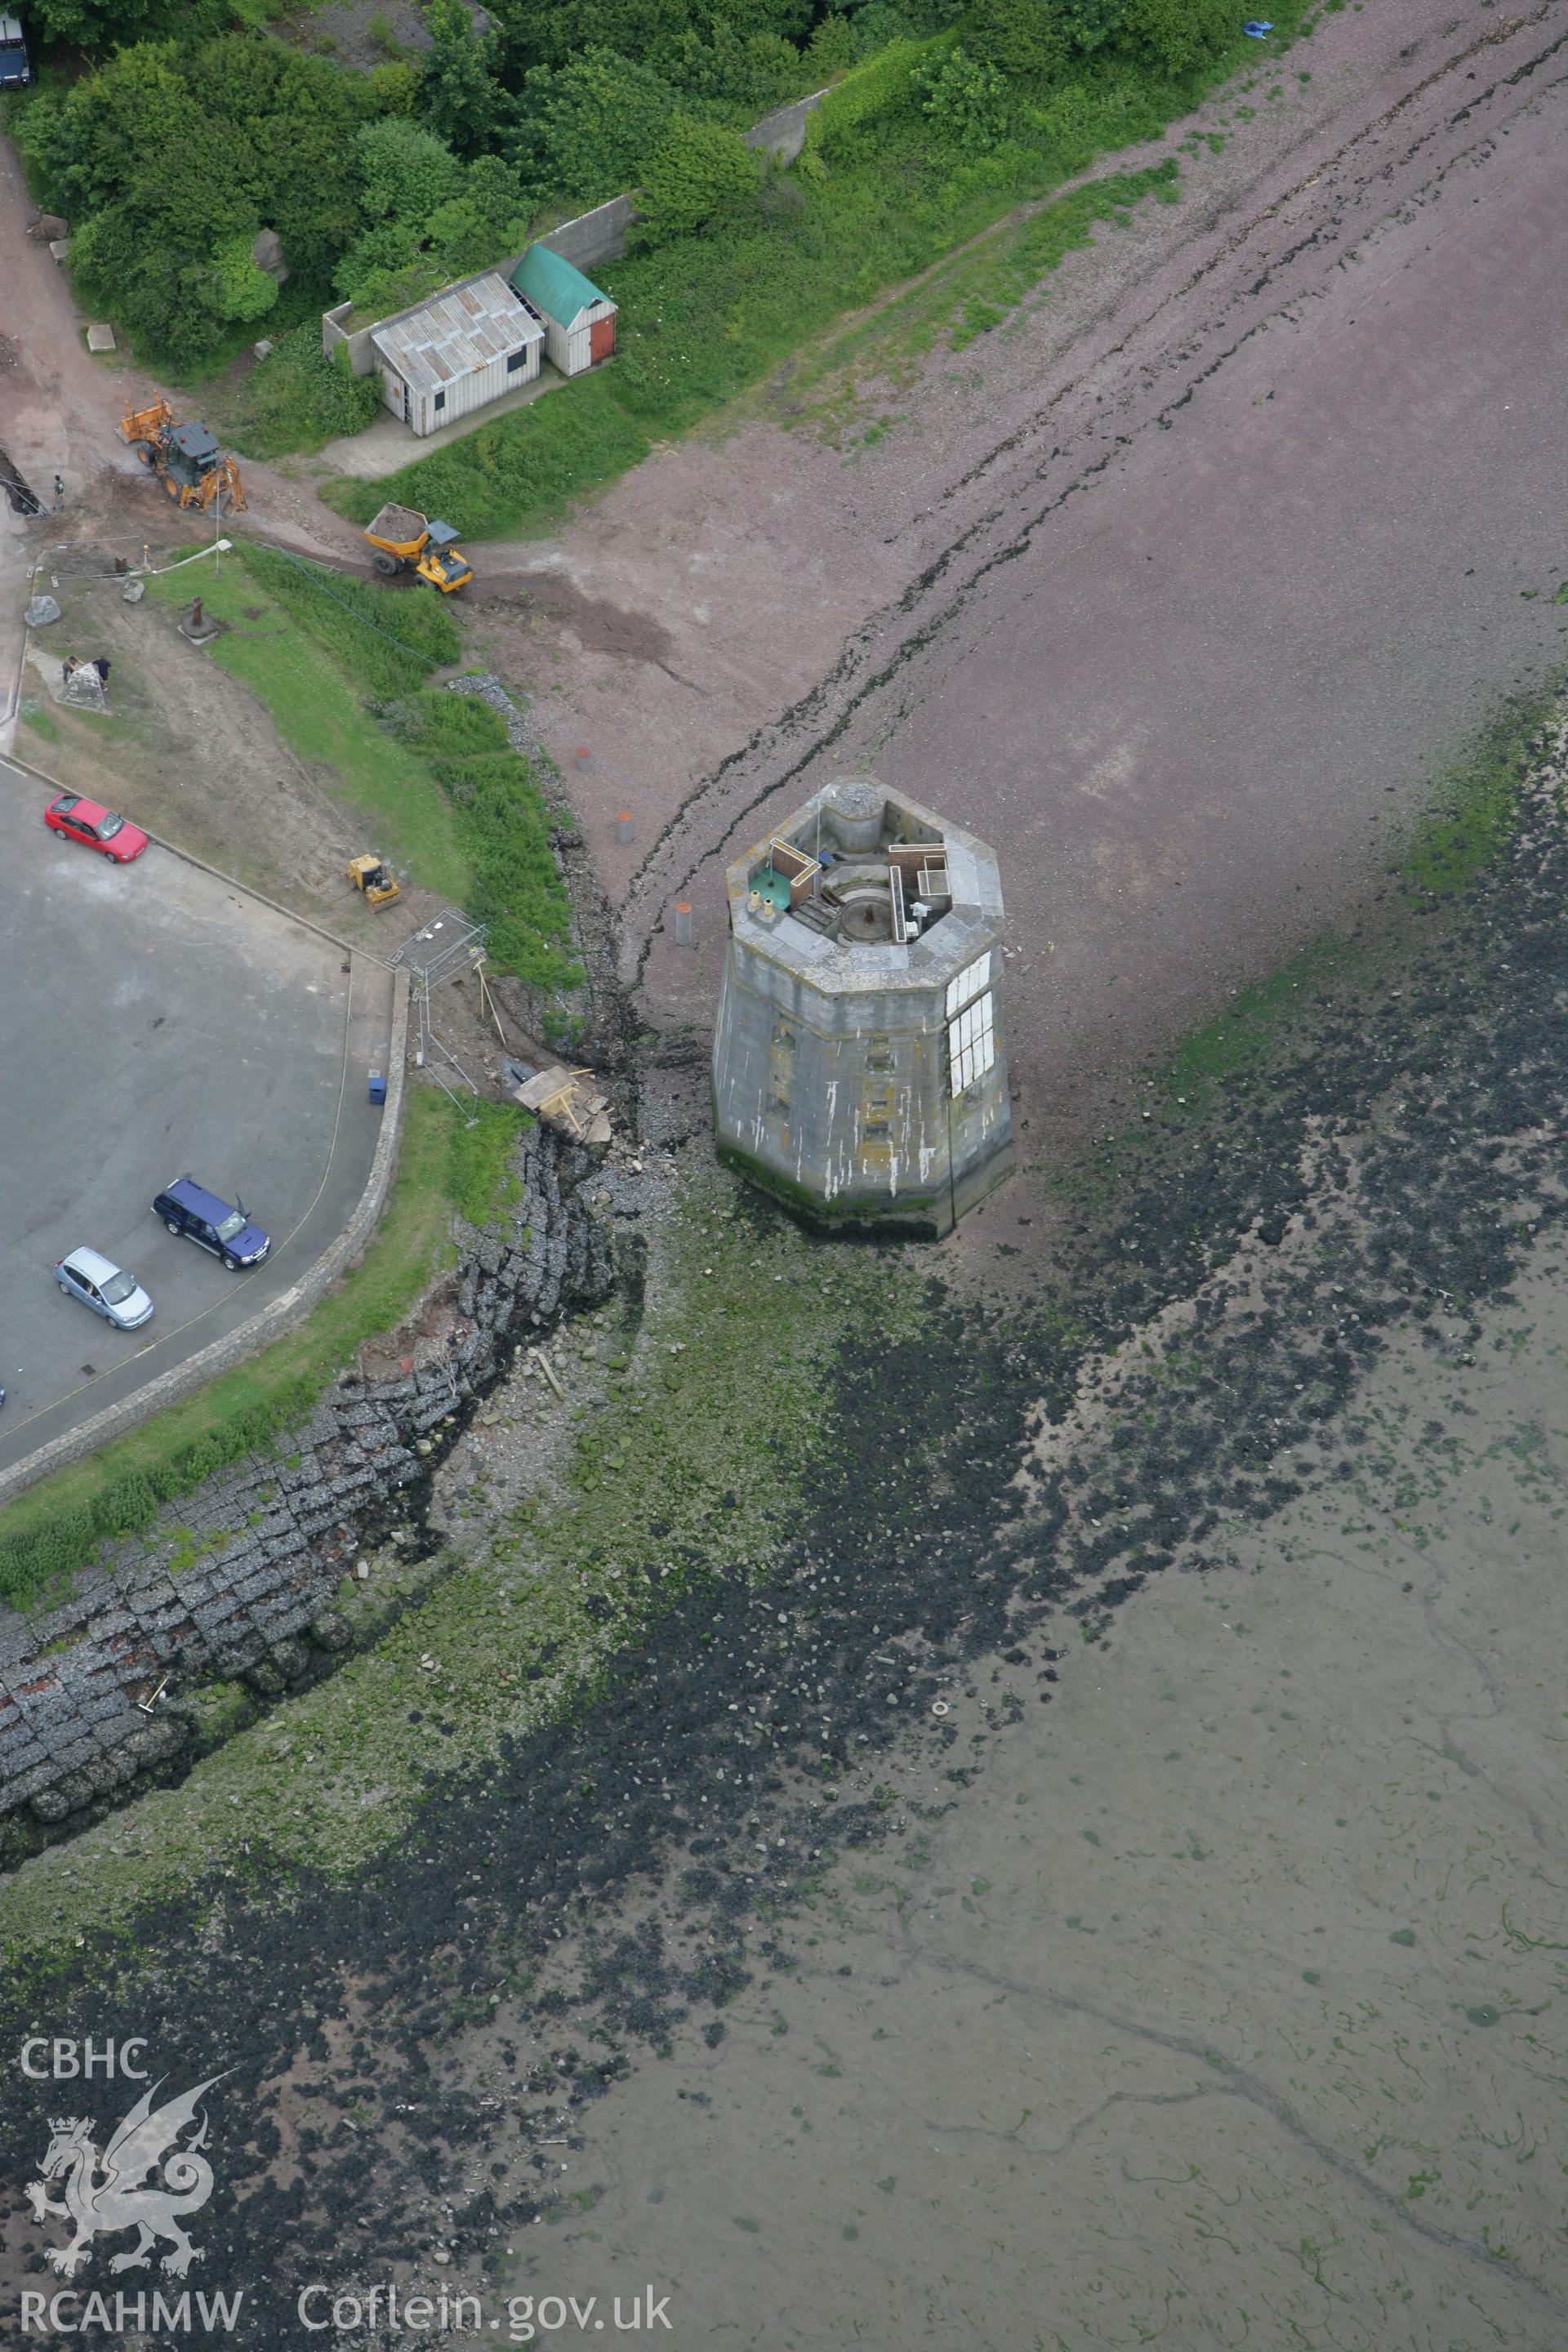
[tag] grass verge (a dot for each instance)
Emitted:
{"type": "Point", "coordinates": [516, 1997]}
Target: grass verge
{"type": "Point", "coordinates": [341, 664]}
{"type": "Point", "coordinates": [295, 662]}
{"type": "Point", "coordinates": [879, 197]}
{"type": "Point", "coordinates": [56, 1528]}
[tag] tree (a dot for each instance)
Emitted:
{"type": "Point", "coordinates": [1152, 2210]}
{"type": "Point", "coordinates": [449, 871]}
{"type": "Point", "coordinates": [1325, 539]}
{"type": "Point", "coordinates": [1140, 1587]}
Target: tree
{"type": "Point", "coordinates": [463, 101]}
{"type": "Point", "coordinates": [1177, 35]}
{"type": "Point", "coordinates": [404, 171]}
{"type": "Point", "coordinates": [1088, 25]}
{"type": "Point", "coordinates": [1021, 38]}
{"type": "Point", "coordinates": [700, 175]}
{"type": "Point", "coordinates": [755, 70]}
{"type": "Point", "coordinates": [965, 102]}
{"type": "Point", "coordinates": [169, 160]}
{"type": "Point", "coordinates": [589, 127]}
{"type": "Point", "coordinates": [242, 292]}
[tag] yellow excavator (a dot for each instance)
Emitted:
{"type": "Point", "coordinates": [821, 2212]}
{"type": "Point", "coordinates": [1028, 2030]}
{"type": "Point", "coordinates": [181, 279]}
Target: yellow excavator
{"type": "Point", "coordinates": [371, 876]}
{"type": "Point", "coordinates": [185, 458]}
{"type": "Point", "coordinates": [402, 540]}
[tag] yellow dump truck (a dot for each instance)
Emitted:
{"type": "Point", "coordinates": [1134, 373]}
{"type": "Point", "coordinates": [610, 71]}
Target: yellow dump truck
{"type": "Point", "coordinates": [402, 540]}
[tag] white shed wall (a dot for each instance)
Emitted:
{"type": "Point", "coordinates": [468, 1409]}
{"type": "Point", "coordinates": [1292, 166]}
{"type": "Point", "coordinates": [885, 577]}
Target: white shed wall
{"type": "Point", "coordinates": [463, 396]}
{"type": "Point", "coordinates": [569, 347]}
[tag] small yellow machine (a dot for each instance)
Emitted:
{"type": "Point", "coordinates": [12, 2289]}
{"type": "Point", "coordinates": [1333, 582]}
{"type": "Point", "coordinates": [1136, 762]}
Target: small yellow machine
{"type": "Point", "coordinates": [369, 875]}
{"type": "Point", "coordinates": [402, 540]}
{"type": "Point", "coordinates": [185, 458]}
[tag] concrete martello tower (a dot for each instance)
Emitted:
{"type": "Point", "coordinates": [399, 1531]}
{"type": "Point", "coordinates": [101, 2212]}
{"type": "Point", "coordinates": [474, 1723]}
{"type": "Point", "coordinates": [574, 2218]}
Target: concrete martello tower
{"type": "Point", "coordinates": [858, 1069]}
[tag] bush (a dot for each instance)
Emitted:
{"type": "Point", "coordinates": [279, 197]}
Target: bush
{"type": "Point", "coordinates": [1177, 35]}
{"type": "Point", "coordinates": [832, 48]}
{"type": "Point", "coordinates": [297, 398]}
{"type": "Point", "coordinates": [1019, 38]}
{"type": "Point", "coordinates": [245, 292]}
{"type": "Point", "coordinates": [590, 126]}
{"type": "Point", "coordinates": [700, 174]}
{"type": "Point", "coordinates": [1088, 25]}
{"type": "Point", "coordinates": [965, 100]}
{"type": "Point", "coordinates": [880, 92]}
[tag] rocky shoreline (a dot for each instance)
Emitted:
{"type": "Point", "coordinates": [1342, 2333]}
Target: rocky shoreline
{"type": "Point", "coordinates": [236, 1584]}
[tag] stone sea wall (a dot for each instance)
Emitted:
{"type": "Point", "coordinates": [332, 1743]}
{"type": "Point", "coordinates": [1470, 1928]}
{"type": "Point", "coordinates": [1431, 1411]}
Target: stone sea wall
{"type": "Point", "coordinates": [237, 1582]}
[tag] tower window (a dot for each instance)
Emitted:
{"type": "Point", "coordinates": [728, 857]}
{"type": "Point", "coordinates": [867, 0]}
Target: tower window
{"type": "Point", "coordinates": [971, 1044]}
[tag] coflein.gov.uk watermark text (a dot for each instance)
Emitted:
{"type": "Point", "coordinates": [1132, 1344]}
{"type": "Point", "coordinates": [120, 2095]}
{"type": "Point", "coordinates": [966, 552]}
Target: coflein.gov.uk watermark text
{"type": "Point", "coordinates": [521, 2319]}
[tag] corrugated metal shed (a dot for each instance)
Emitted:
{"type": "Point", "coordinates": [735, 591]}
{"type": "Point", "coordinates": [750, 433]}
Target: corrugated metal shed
{"type": "Point", "coordinates": [459, 334]}
{"type": "Point", "coordinates": [555, 286]}
{"type": "Point", "coordinates": [579, 317]}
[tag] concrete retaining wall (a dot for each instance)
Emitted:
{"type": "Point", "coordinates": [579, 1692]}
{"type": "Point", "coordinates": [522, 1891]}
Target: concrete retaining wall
{"type": "Point", "coordinates": [783, 134]}
{"type": "Point", "coordinates": [598, 236]}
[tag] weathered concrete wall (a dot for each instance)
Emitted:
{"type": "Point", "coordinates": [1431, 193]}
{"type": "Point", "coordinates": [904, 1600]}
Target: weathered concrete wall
{"type": "Point", "coordinates": [257, 1603]}
{"type": "Point", "coordinates": [783, 134]}
{"type": "Point", "coordinates": [598, 236]}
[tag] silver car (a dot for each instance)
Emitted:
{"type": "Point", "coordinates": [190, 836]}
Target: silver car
{"type": "Point", "coordinates": [99, 1283]}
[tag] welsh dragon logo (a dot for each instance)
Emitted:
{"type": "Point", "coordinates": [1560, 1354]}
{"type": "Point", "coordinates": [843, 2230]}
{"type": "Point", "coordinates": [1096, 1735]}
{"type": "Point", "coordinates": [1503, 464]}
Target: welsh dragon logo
{"type": "Point", "coordinates": [108, 2193]}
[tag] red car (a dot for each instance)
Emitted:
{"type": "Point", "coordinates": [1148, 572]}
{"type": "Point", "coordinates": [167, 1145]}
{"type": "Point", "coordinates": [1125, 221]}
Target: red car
{"type": "Point", "coordinates": [100, 828]}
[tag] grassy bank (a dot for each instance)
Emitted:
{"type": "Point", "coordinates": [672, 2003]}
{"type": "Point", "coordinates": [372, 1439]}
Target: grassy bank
{"type": "Point", "coordinates": [309, 662]}
{"type": "Point", "coordinates": [341, 664]}
{"type": "Point", "coordinates": [56, 1528]}
{"type": "Point", "coordinates": [877, 199]}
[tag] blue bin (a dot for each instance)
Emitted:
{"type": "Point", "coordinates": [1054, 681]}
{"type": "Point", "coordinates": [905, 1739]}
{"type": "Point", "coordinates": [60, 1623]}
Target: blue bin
{"type": "Point", "coordinates": [377, 1087]}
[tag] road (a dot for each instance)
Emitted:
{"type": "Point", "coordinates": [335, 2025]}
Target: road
{"type": "Point", "coordinates": [162, 1021]}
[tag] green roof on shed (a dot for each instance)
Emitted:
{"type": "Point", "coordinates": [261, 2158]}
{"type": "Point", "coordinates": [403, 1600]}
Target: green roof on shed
{"type": "Point", "coordinates": [554, 285]}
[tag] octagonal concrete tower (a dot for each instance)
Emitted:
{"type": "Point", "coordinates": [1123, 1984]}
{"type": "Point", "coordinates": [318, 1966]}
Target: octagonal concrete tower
{"type": "Point", "coordinates": [859, 1070]}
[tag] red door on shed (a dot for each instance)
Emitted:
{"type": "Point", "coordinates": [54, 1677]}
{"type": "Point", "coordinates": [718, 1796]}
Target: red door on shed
{"type": "Point", "coordinates": [601, 338]}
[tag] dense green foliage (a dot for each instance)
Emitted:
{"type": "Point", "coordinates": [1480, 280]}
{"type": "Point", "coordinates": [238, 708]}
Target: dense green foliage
{"type": "Point", "coordinates": [590, 125]}
{"type": "Point", "coordinates": [700, 175]}
{"type": "Point", "coordinates": [170, 158]}
{"type": "Point", "coordinates": [516, 890]}
{"type": "Point", "coordinates": [297, 399]}
{"type": "Point", "coordinates": [175, 153]}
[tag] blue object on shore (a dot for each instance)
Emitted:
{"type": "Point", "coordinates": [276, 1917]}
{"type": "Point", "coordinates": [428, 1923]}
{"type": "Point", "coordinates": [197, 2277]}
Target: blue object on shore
{"type": "Point", "coordinates": [1255, 30]}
